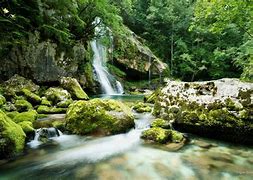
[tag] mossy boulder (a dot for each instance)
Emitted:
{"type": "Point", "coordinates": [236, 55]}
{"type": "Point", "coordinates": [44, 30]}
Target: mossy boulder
{"type": "Point", "coordinates": [26, 116]}
{"type": "Point", "coordinates": [161, 123]}
{"type": "Point", "coordinates": [141, 107]}
{"type": "Point", "coordinates": [12, 137]}
{"type": "Point", "coordinates": [64, 104]}
{"type": "Point", "coordinates": [8, 107]}
{"type": "Point", "coordinates": [157, 134]}
{"type": "Point", "coordinates": [12, 114]}
{"type": "Point", "coordinates": [56, 95]}
{"type": "Point", "coordinates": [162, 136]}
{"type": "Point", "coordinates": [27, 126]}
{"type": "Point", "coordinates": [50, 110]}
{"type": "Point", "coordinates": [2, 100]}
{"type": "Point", "coordinates": [23, 105]}
{"type": "Point", "coordinates": [219, 109]}
{"type": "Point", "coordinates": [45, 102]}
{"type": "Point", "coordinates": [99, 116]}
{"type": "Point", "coordinates": [31, 97]}
{"type": "Point", "coordinates": [74, 88]}
{"type": "Point", "coordinates": [16, 83]}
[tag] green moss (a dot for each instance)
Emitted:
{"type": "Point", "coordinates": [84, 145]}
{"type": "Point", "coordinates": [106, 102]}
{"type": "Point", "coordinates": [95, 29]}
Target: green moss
{"type": "Point", "coordinates": [151, 98]}
{"type": "Point", "coordinates": [23, 105]}
{"type": "Point", "coordinates": [8, 107]}
{"type": "Point", "coordinates": [74, 88]}
{"type": "Point", "coordinates": [26, 116]}
{"type": "Point", "coordinates": [2, 100]}
{"type": "Point", "coordinates": [157, 134]}
{"type": "Point", "coordinates": [45, 102]}
{"type": "Point", "coordinates": [176, 137]}
{"type": "Point", "coordinates": [41, 116]}
{"type": "Point", "coordinates": [27, 126]}
{"type": "Point", "coordinates": [12, 137]}
{"type": "Point", "coordinates": [57, 95]}
{"type": "Point", "coordinates": [64, 104]}
{"type": "Point", "coordinates": [105, 116]}
{"type": "Point", "coordinates": [12, 114]}
{"type": "Point", "coordinates": [116, 71]}
{"type": "Point", "coordinates": [141, 107]}
{"type": "Point", "coordinates": [31, 97]}
{"type": "Point", "coordinates": [161, 123]}
{"type": "Point", "coordinates": [50, 110]}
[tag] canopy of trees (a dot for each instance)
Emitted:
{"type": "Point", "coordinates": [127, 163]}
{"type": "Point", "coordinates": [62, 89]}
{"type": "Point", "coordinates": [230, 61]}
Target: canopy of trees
{"type": "Point", "coordinates": [199, 39]}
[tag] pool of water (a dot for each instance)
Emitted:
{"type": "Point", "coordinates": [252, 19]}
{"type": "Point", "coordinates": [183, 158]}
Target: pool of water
{"type": "Point", "coordinates": [124, 97]}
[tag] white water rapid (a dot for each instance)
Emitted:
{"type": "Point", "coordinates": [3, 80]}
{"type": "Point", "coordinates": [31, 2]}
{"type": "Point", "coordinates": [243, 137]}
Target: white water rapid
{"type": "Point", "coordinates": [103, 148]}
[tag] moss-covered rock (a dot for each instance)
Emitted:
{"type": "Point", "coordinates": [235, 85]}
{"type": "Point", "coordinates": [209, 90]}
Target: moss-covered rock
{"type": "Point", "coordinates": [64, 104]}
{"type": "Point", "coordinates": [2, 100]}
{"type": "Point", "coordinates": [31, 97]}
{"type": "Point", "coordinates": [12, 114]}
{"type": "Point", "coordinates": [162, 136]}
{"type": "Point", "coordinates": [74, 88]}
{"type": "Point", "coordinates": [23, 105]}
{"type": "Point", "coordinates": [218, 109]}
{"type": "Point", "coordinates": [26, 116]}
{"type": "Point", "coordinates": [97, 115]}
{"type": "Point", "coordinates": [27, 126]}
{"type": "Point", "coordinates": [45, 102]}
{"type": "Point", "coordinates": [12, 137]}
{"type": "Point", "coordinates": [161, 123]}
{"type": "Point", "coordinates": [157, 134]}
{"type": "Point", "coordinates": [8, 107]}
{"type": "Point", "coordinates": [57, 95]}
{"type": "Point", "coordinates": [16, 83]}
{"type": "Point", "coordinates": [50, 110]}
{"type": "Point", "coordinates": [141, 107]}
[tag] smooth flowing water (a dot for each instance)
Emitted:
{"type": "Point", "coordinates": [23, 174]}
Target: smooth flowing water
{"type": "Point", "coordinates": [127, 157]}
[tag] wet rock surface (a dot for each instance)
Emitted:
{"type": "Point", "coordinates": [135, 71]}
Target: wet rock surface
{"type": "Point", "coordinates": [220, 109]}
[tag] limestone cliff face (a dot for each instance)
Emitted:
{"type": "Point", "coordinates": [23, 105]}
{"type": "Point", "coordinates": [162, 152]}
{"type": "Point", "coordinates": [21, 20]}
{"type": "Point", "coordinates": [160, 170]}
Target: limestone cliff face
{"type": "Point", "coordinates": [46, 62]}
{"type": "Point", "coordinates": [135, 58]}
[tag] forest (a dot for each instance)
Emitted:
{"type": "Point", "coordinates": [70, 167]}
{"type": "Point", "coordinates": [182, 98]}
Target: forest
{"type": "Point", "coordinates": [199, 40]}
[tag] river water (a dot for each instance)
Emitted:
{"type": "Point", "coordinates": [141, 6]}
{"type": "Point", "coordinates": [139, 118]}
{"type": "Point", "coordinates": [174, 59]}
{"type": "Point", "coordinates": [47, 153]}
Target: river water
{"type": "Point", "coordinates": [127, 157]}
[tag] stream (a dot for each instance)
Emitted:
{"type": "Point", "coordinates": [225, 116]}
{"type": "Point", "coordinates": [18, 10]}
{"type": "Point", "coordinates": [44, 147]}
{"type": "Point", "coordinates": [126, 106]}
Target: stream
{"type": "Point", "coordinates": [127, 156]}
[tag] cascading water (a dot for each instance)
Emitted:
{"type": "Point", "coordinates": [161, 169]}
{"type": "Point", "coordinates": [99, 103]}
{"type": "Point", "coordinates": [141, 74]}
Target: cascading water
{"type": "Point", "coordinates": [108, 83]}
{"type": "Point", "coordinates": [44, 133]}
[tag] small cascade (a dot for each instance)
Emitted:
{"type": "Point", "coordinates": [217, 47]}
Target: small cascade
{"type": "Point", "coordinates": [109, 84]}
{"type": "Point", "coordinates": [42, 135]}
{"type": "Point", "coordinates": [102, 148]}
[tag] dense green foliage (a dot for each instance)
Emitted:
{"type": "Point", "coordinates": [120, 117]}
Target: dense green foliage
{"type": "Point", "coordinates": [199, 39]}
{"type": "Point", "coordinates": [63, 21]}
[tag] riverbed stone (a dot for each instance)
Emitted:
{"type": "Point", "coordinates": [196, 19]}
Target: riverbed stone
{"type": "Point", "coordinates": [31, 97]}
{"type": "Point", "coordinates": [27, 126]}
{"type": "Point", "coordinates": [42, 109]}
{"type": "Point", "coordinates": [221, 109]}
{"type": "Point", "coordinates": [26, 116]}
{"type": "Point", "coordinates": [57, 95]}
{"type": "Point", "coordinates": [141, 107]}
{"type": "Point", "coordinates": [12, 137]}
{"type": "Point", "coordinates": [99, 116]}
{"type": "Point", "coordinates": [161, 123]}
{"type": "Point", "coordinates": [23, 105]}
{"type": "Point", "coordinates": [74, 88]}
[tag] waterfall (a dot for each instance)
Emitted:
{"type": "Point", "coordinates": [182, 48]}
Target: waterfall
{"type": "Point", "coordinates": [108, 83]}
